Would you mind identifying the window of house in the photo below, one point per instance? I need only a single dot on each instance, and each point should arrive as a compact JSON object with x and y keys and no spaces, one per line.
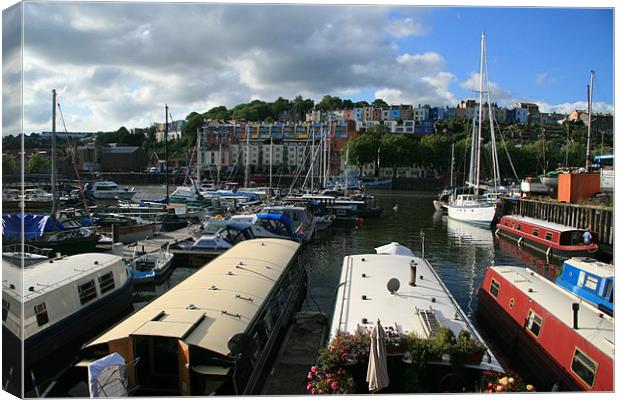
{"x":549,"y":236}
{"x":40,"y":311}
{"x":87,"y":292}
{"x":591,"y":282}
{"x":519,"y":227}
{"x":5,"y":309}
{"x":535,"y":233}
{"x":106,"y":282}
{"x":534,"y":323}
{"x":584,"y":367}
{"x":494,"y":287}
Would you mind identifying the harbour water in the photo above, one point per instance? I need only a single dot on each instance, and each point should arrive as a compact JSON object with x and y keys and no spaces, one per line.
{"x":458,"y":251}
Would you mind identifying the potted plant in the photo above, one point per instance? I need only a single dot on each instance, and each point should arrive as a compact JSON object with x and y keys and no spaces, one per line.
{"x":466,"y":349}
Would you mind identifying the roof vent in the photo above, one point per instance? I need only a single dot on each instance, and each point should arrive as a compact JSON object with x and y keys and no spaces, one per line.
{"x":363,"y":275}
{"x":229,"y":273}
{"x":31,"y":288}
{"x":12,"y":286}
{"x":96,"y":262}
{"x":190,"y":307}
{"x":213,"y":287}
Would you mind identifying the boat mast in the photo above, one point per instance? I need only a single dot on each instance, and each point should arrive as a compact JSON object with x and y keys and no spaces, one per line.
{"x":270,"y":156}
{"x":54,"y":172}
{"x":477,"y":183}
{"x":472,"y":152}
{"x":166,"y":150}
{"x":247,"y":155}
{"x":346,"y":177}
{"x":219,"y":159}
{"x":312,"y":159}
{"x":590,"y":89}
{"x":451,"y":166}
{"x":199,"y":155}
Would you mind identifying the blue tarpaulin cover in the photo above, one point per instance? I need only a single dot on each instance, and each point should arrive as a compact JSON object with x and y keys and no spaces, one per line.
{"x":279,"y":217}
{"x":34,"y":226}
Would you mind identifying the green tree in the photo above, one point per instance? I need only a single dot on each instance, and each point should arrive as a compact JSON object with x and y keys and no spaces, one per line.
{"x":347,"y":104}
{"x":193,"y":122}
{"x":219,"y":113}
{"x":9,"y":166}
{"x":301,"y":107}
{"x":397,"y":150}
{"x":280,"y":107}
{"x":379,"y":103}
{"x":39,"y":164}
{"x":361,"y":104}
{"x":329,"y":103}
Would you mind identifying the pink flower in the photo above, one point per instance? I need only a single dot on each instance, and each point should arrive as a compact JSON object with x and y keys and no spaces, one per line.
{"x":334,"y":385}
{"x":313,"y":391}
{"x":313,"y":369}
{"x":308,"y":386}
{"x":309,"y":375}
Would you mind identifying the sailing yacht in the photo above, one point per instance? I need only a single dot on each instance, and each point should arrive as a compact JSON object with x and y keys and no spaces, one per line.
{"x":476,"y":207}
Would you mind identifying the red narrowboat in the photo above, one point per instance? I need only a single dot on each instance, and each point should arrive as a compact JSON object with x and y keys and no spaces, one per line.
{"x":562,"y":340}
{"x":554,"y":240}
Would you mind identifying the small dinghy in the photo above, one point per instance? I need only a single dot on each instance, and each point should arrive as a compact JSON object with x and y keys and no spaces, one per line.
{"x":151,"y":267}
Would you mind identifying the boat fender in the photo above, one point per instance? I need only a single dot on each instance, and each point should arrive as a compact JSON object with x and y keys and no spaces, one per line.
{"x":519,"y":241}
{"x":548,"y":253}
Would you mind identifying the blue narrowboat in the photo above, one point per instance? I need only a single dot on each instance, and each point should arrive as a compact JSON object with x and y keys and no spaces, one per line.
{"x":591,"y":280}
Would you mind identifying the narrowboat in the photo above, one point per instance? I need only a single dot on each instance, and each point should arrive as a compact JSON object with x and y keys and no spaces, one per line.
{"x":408,"y":297}
{"x":590,"y":280}
{"x":215,"y":332}
{"x":562,"y":341}
{"x":553,"y":240}
{"x":59,"y":299}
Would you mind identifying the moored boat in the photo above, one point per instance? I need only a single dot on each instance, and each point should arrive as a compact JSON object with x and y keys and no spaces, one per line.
{"x":109,"y":190}
{"x":151,"y":267}
{"x":62,"y":299}
{"x":472,"y":208}
{"x":553,"y":240}
{"x":534,"y":185}
{"x":24,"y":255}
{"x":565,"y":343}
{"x":215,"y":332}
{"x":591,"y":280}
{"x":415,"y":301}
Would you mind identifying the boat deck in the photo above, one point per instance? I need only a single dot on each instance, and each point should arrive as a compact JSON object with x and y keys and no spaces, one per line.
{"x":162,"y":240}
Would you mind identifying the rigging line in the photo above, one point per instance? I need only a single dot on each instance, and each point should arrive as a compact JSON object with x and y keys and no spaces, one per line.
{"x":514,"y":171}
{"x":77,"y":173}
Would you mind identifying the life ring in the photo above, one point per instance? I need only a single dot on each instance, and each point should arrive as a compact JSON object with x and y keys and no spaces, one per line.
{"x":519,"y":241}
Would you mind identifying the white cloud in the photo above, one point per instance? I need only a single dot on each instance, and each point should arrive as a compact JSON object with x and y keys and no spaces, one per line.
{"x":407,"y":27}
{"x":567,"y":108}
{"x":498,"y":94}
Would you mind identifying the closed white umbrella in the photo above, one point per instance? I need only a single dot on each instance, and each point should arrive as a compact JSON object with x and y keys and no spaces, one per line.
{"x":377,"y":374}
{"x":395,"y":249}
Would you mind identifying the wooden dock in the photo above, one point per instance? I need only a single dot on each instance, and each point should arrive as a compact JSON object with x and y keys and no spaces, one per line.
{"x":598,"y":219}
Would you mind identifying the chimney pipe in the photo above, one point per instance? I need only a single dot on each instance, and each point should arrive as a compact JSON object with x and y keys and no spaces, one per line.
{"x":575,"y":313}
{"x":413,"y":267}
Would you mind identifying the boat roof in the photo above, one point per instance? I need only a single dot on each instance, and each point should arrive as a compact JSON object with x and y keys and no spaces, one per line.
{"x":368,"y":275}
{"x":217,"y":301}
{"x":47,"y":276}
{"x":543,"y":224}
{"x":594,"y":326}
{"x":592,"y":266}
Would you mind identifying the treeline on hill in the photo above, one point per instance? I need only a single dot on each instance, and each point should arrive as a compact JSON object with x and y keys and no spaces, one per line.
{"x":385,"y":149}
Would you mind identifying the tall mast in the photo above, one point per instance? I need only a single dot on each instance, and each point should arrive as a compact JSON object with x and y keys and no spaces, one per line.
{"x":54,"y":172}
{"x":346,"y":174}
{"x":472,"y":152}
{"x":496,"y":174}
{"x":199,"y":155}
{"x":590,"y":89}
{"x":270,"y":156}
{"x":219,"y":158}
{"x":477,"y":183}
{"x":166,"y":150}
{"x":311,"y":160}
{"x":247,"y":155}
{"x":451,"y":167}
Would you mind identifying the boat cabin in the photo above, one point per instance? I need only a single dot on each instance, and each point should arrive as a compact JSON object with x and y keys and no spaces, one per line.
{"x":214,"y":332}
{"x":591,"y":280}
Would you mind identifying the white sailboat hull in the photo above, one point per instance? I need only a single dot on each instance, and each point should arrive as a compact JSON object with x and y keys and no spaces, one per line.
{"x":475,"y":214}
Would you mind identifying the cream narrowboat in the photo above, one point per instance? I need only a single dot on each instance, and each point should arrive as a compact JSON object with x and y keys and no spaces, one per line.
{"x":215,"y":332}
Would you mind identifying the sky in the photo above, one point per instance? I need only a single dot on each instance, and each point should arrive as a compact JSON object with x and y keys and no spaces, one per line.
{"x":117,"y":64}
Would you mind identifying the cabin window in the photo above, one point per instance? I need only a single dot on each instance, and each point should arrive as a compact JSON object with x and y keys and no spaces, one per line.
{"x":534,"y":323}
{"x":87,"y":292}
{"x":512,"y":226}
{"x":519,"y":227}
{"x":5,"y":309}
{"x":535,"y":233}
{"x":591,"y":282}
{"x":549,"y":236}
{"x":607,"y":292}
{"x":40,"y":311}
{"x":494,"y":287}
{"x":106,"y":282}
{"x":584,"y":367}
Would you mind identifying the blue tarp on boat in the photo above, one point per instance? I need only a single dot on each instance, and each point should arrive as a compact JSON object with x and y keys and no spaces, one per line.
{"x":34,"y":226}
{"x":282,"y":218}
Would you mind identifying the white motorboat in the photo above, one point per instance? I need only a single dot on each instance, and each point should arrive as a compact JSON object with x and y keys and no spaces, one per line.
{"x":472,"y":208}
{"x":151,"y":267}
{"x":109,"y":190}
{"x":302,"y":219}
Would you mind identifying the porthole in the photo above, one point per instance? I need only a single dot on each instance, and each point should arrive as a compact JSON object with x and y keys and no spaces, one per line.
{"x":511,"y":302}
